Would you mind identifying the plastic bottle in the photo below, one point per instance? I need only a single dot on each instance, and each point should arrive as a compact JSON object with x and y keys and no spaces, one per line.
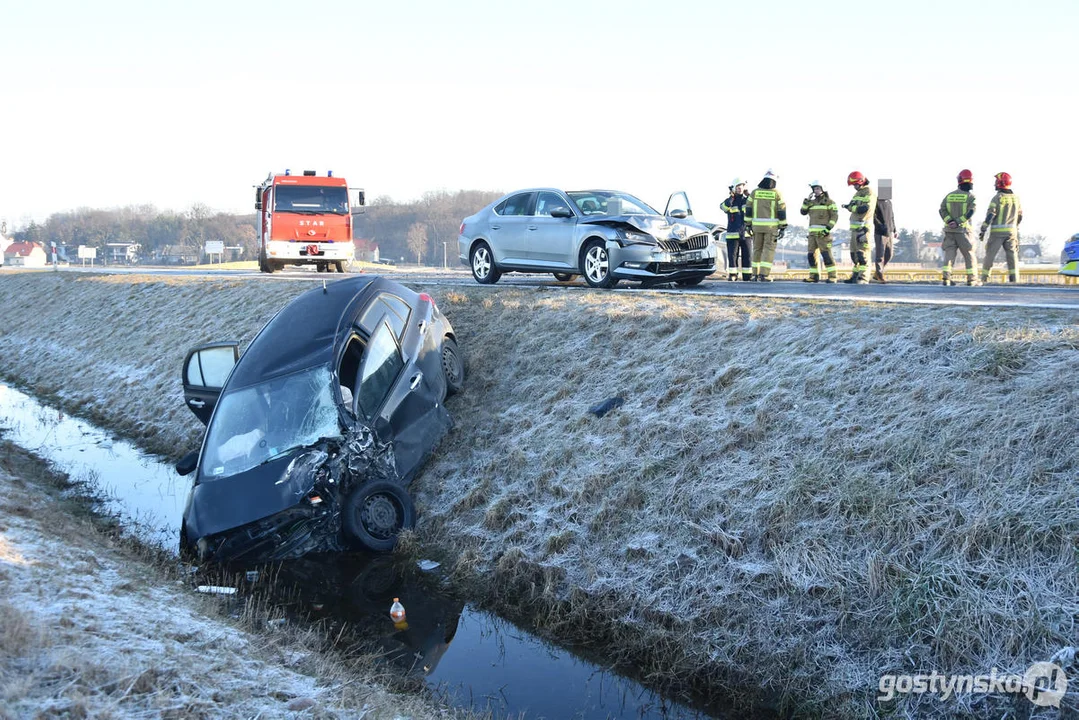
{"x":397,"y":611}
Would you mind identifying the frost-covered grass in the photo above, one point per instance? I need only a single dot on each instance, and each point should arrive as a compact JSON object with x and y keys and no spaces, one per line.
{"x":794,"y":499}
{"x":92,"y":626}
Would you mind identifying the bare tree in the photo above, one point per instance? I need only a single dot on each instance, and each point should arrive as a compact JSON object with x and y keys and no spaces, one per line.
{"x":417,"y":240}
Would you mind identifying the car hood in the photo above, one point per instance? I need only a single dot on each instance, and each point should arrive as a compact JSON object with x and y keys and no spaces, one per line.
{"x":264,"y":490}
{"x":658,"y":227}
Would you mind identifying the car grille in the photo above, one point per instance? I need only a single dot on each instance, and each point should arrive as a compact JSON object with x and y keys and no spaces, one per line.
{"x":694,"y":242}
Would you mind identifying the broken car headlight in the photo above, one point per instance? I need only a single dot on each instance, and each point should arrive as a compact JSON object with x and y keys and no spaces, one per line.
{"x":636,"y":238}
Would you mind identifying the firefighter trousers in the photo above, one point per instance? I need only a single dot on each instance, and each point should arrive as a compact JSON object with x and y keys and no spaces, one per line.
{"x":820,"y":243}
{"x":1010,"y":242}
{"x":859,"y":250}
{"x":738,"y":252}
{"x":764,"y":249}
{"x":959,"y":241}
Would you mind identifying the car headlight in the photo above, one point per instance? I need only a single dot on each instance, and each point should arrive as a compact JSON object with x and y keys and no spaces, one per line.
{"x":636,"y":238}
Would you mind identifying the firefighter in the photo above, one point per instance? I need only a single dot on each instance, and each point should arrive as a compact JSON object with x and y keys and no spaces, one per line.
{"x":737,"y":240}
{"x":862,"y":208}
{"x":766,"y":220}
{"x":1002,"y":220}
{"x":956,"y":210}
{"x":823,"y":215}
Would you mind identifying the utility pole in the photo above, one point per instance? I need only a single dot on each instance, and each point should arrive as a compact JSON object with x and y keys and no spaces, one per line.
{"x":444,"y":265}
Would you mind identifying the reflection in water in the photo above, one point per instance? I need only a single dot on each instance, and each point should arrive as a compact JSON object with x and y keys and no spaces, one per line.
{"x":469,"y":657}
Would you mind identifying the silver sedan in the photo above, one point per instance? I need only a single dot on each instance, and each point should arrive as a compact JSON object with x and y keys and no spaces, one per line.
{"x":602,"y":235}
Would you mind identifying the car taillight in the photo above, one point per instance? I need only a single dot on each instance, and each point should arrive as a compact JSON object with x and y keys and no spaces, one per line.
{"x":427,"y":298}
{"x":462,"y":230}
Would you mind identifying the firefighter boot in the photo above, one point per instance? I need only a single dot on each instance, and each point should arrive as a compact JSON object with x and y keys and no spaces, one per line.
{"x":747,"y":277}
{"x":879,"y":276}
{"x":947,"y":281}
{"x":731,"y":277}
{"x":973,"y":281}
{"x":853,"y":279}
{"x":1013,"y":277}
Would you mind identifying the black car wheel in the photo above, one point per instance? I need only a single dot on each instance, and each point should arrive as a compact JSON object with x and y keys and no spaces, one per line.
{"x":483,"y":265}
{"x":452,"y":366}
{"x":376,"y":512}
{"x":563,"y":277}
{"x":596,"y":265}
{"x":690,"y":282}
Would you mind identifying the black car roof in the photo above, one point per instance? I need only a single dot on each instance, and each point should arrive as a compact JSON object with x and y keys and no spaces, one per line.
{"x":304,"y":333}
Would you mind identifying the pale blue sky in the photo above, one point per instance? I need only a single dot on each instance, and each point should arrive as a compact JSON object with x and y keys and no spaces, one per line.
{"x":114,"y":103}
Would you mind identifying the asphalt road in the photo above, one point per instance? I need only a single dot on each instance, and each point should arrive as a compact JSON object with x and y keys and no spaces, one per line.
{"x":1057,"y":297}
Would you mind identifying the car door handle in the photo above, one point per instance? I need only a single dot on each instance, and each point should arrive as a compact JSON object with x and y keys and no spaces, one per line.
{"x":415,"y":381}
{"x":196,"y":403}
{"x":533,"y":227}
{"x":496,"y":227}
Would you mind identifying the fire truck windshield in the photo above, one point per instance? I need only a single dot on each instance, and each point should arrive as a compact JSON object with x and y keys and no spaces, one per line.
{"x":311,"y":199}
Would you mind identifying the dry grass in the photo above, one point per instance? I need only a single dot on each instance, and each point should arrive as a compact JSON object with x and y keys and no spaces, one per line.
{"x":794,"y":499}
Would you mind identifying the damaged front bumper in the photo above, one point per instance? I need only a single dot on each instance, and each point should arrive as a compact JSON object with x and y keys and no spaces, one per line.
{"x":652,"y":264}
{"x":289,"y":507}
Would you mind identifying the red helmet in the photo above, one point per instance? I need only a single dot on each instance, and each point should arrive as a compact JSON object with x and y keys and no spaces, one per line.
{"x":856,"y":178}
{"x":1004,"y":181}
{"x":965,"y":176}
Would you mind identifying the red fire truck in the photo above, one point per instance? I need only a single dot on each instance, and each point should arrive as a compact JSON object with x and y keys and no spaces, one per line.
{"x":306,"y":220}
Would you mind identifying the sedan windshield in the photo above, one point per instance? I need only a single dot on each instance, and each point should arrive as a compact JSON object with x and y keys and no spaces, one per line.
{"x":601,"y":202}
{"x":310,"y":199}
{"x":260,"y":422}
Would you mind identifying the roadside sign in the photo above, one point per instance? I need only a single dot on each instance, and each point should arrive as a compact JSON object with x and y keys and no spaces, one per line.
{"x":214,"y":247}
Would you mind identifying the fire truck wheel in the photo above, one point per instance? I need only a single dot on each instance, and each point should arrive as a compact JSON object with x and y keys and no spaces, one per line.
{"x":340,"y":266}
{"x":320,"y":267}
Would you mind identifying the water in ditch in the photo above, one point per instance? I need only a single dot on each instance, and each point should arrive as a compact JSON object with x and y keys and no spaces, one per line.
{"x":468,"y":657}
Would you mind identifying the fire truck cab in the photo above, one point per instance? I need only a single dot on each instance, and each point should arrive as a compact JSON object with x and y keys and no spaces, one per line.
{"x":306,"y":220}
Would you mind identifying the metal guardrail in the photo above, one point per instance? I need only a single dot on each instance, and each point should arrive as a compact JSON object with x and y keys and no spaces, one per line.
{"x":1031,"y":277}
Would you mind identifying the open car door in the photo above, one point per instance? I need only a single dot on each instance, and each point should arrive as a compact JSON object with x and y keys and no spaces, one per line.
{"x":206,"y":368}
{"x":678,"y":206}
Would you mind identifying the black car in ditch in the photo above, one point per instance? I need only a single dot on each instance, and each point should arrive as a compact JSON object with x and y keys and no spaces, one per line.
{"x":314,"y":433}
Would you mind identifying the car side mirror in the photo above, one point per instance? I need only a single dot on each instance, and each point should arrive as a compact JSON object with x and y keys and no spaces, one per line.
{"x":361,"y":201}
{"x":560,"y":211}
{"x":188,"y":463}
{"x":679,"y":214}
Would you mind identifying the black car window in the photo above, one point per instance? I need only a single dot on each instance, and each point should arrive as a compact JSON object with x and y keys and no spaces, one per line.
{"x":390,"y":308}
{"x":546,"y":201}
{"x":514,"y":205}
{"x":381,"y":365}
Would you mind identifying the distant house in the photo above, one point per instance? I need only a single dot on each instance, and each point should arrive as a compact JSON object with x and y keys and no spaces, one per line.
{"x":366,"y":250}
{"x":25,"y":254}
{"x":178,"y":255}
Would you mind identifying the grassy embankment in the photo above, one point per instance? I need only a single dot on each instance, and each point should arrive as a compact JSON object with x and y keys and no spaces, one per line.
{"x":795,"y":498}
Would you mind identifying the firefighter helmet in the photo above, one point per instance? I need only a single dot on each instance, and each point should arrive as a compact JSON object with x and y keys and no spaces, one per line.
{"x":736,"y":182}
{"x":856,"y":178}
{"x":1004,"y":181}
{"x":770,"y":175}
{"x":965,"y":176}
{"x":815,"y":184}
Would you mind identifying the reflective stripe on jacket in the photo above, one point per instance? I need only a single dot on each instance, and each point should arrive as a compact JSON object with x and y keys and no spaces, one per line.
{"x":1005,"y":213}
{"x":862,"y":207}
{"x":766,"y":207}
{"x":735,"y":207}
{"x":958,"y":205}
{"x":823,"y":213}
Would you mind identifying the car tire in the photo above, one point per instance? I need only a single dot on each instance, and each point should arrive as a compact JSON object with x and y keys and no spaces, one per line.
{"x":564,"y":277}
{"x":690,"y":282}
{"x":453,"y":367}
{"x":483,"y":265}
{"x":596,"y":265}
{"x":374,"y":513}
